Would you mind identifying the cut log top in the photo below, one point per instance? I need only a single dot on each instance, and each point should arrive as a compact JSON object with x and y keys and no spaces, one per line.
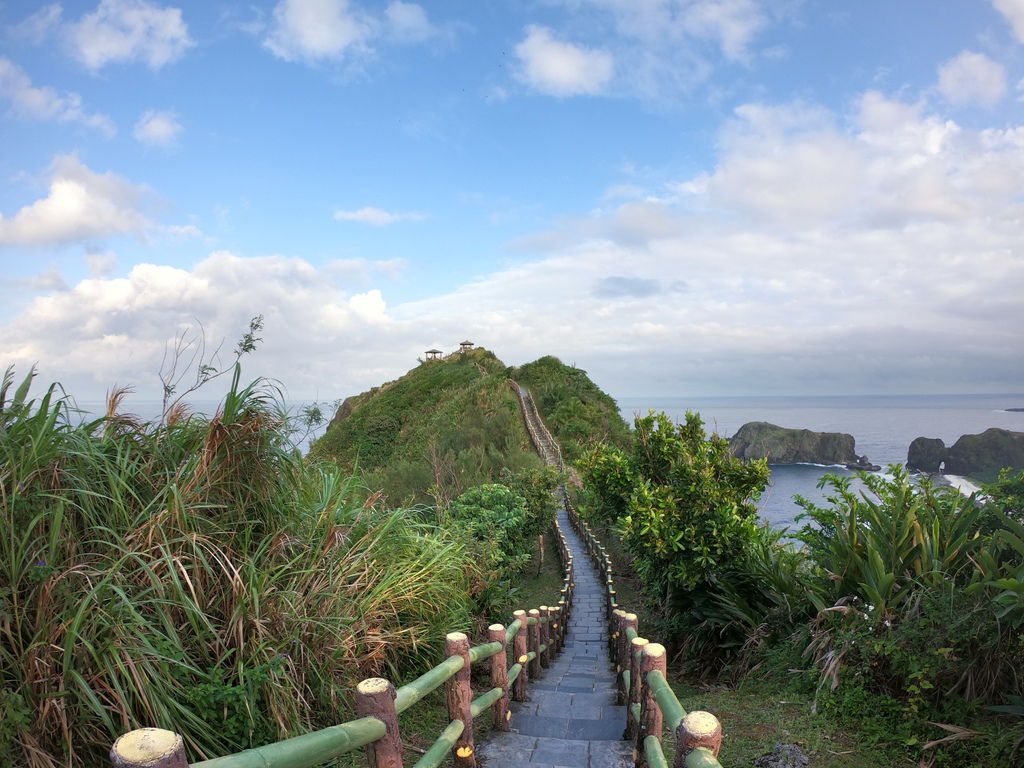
{"x":700,"y":723}
{"x":148,"y":747}
{"x":373,"y":685}
{"x":654,"y":649}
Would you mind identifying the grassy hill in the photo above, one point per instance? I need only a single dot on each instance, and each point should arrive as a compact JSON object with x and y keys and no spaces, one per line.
{"x":450,"y":424}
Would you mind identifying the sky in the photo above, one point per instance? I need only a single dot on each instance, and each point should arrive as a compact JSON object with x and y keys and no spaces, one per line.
{"x":682,"y":197}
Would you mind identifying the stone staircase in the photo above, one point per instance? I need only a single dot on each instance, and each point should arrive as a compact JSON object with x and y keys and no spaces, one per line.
{"x":571,"y":719}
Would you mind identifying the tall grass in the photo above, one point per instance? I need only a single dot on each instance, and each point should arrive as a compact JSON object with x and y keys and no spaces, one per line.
{"x":196,"y":575}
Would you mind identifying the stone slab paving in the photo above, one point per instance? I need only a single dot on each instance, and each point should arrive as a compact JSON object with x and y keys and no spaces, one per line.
{"x":571,"y":719}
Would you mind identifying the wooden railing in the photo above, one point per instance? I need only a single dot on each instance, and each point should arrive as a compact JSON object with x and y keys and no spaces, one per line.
{"x":543,"y":441}
{"x":640,"y":665}
{"x":534,"y":636}
{"x":641,"y":684}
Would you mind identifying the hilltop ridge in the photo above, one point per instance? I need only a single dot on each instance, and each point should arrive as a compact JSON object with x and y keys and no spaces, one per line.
{"x":454,"y":422}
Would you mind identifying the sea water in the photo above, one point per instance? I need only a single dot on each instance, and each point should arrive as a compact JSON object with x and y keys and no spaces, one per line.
{"x":883,"y":426}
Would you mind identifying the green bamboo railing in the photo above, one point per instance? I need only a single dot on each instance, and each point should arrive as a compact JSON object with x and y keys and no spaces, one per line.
{"x":639,"y":665}
{"x":641,"y":684}
{"x":534,"y":636}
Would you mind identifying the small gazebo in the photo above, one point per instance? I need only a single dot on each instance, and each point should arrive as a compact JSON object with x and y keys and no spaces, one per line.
{"x":433,"y":354}
{"x":465,"y":346}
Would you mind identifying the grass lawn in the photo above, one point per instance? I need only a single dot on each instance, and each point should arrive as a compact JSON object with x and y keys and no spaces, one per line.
{"x":755,"y":717}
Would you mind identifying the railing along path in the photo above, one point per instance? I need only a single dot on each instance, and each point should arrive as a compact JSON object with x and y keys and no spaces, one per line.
{"x":534,"y":637}
{"x":640,"y":665}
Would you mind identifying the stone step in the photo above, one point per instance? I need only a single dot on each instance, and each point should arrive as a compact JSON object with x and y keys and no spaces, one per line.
{"x":510,"y":750}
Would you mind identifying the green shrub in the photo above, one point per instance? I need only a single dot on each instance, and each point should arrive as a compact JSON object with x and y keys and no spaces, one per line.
{"x":199,"y":576}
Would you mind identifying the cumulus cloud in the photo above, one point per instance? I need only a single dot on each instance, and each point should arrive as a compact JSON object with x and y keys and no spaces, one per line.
{"x":408,"y":22}
{"x":101,"y":263}
{"x":1013,"y":10}
{"x":317,"y":30}
{"x":559,"y":68}
{"x":40,"y":24}
{"x":376,"y":217}
{"x":158,"y":128}
{"x":663,"y":49}
{"x":731,"y":23}
{"x":81,"y":204}
{"x":44,"y":103}
{"x":904,"y":277}
{"x":129,"y":30}
{"x":319,"y":336}
{"x":972,"y":78}
{"x":794,"y":167}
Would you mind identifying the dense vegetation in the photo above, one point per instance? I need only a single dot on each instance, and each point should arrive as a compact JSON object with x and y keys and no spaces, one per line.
{"x":576,"y":411}
{"x":449,"y":425}
{"x":198,"y":574}
{"x":900,"y":606}
{"x":442,"y":428}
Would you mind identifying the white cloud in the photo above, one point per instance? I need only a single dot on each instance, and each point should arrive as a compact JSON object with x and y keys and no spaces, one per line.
{"x":559,"y":68}
{"x":316,"y":30}
{"x":81,"y":205}
{"x":101,"y":263}
{"x":376,"y":216}
{"x":972,"y":78}
{"x":319,"y":336}
{"x":183,"y":231}
{"x":664,"y":49}
{"x":731,"y":23}
{"x":129,"y":30}
{"x":408,"y":22}
{"x":49,"y":280}
{"x":40,"y":24}
{"x":158,"y":128}
{"x":874,"y":253}
{"x":792,"y":167}
{"x":44,"y":103}
{"x":1013,"y":10}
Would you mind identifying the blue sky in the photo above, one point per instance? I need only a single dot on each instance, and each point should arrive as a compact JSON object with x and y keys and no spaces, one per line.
{"x":681,"y":196}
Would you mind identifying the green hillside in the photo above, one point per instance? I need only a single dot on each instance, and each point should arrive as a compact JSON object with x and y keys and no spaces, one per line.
{"x":578,"y":413}
{"x":450,"y":424}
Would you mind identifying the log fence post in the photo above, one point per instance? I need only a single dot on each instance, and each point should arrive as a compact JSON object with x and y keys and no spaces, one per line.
{"x":520,"y":644}
{"x":626,"y":622}
{"x":697,"y":729}
{"x":375,"y":697}
{"x":636,"y":648}
{"x":556,"y":626}
{"x":613,"y":636}
{"x":534,"y":639}
{"x":149,"y":748}
{"x":459,"y":693}
{"x":544,"y":621}
{"x":499,"y":677}
{"x":651,"y":719}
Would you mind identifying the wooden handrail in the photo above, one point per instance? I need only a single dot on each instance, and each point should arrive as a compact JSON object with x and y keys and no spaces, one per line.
{"x":156,"y":748}
{"x":641,"y":683}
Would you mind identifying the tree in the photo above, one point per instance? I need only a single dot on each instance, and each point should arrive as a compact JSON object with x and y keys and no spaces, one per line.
{"x":684,"y":505}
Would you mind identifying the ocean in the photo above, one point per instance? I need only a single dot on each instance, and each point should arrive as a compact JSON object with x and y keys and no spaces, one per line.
{"x":883,"y":427}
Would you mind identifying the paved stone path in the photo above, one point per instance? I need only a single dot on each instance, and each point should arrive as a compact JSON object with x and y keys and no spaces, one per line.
{"x":571,"y":719}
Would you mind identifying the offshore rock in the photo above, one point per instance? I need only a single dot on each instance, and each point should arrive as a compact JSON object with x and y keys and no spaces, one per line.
{"x":978,"y":456}
{"x":761,"y":440}
{"x":926,"y":454}
{"x":985,"y":454}
{"x":863,"y":464}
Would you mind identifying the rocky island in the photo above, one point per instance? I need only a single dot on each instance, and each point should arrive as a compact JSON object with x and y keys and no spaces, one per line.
{"x":978,"y":456}
{"x":781,"y":445}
